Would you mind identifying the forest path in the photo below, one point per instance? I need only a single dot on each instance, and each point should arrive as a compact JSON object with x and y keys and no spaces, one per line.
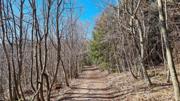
{"x":91,"y":85}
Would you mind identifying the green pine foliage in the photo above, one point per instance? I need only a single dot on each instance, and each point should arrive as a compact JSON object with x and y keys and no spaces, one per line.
{"x":99,"y":48}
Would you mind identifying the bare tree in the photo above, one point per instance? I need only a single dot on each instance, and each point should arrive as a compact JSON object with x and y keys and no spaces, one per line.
{"x":5,"y":48}
{"x":170,"y":61}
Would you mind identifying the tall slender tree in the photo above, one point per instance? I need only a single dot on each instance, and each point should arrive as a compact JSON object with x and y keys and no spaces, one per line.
{"x":170,"y":61}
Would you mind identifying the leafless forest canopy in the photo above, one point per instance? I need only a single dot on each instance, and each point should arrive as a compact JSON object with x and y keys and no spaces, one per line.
{"x":44,"y":46}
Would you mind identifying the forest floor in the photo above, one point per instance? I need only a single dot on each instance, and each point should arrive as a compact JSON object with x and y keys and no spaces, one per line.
{"x":96,"y":85}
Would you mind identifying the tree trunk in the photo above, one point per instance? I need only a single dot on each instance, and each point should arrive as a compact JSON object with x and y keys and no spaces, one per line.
{"x":6,"y":51}
{"x":141,"y":38}
{"x":170,"y":61}
{"x":65,"y":74}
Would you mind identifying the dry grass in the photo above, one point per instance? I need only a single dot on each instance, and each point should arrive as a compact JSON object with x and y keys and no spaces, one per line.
{"x":137,"y":90}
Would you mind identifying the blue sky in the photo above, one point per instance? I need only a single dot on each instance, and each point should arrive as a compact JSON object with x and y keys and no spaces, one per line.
{"x":88,"y":15}
{"x":90,"y":12}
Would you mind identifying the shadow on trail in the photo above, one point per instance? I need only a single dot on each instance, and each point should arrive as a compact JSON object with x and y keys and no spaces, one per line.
{"x":93,"y":77}
{"x":89,"y":69}
{"x":81,"y":88}
{"x":95,"y":96}
{"x":93,"y":86}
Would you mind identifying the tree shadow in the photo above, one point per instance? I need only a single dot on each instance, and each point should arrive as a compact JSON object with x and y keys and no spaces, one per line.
{"x":95,"y":96}
{"x":84,"y":88}
{"x":155,"y":87}
{"x":108,"y":93}
{"x":89,"y":69}
{"x":160,"y":86}
{"x":95,"y":77}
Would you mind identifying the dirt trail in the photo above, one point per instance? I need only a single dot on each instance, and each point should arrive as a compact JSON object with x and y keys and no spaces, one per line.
{"x":92,"y":85}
